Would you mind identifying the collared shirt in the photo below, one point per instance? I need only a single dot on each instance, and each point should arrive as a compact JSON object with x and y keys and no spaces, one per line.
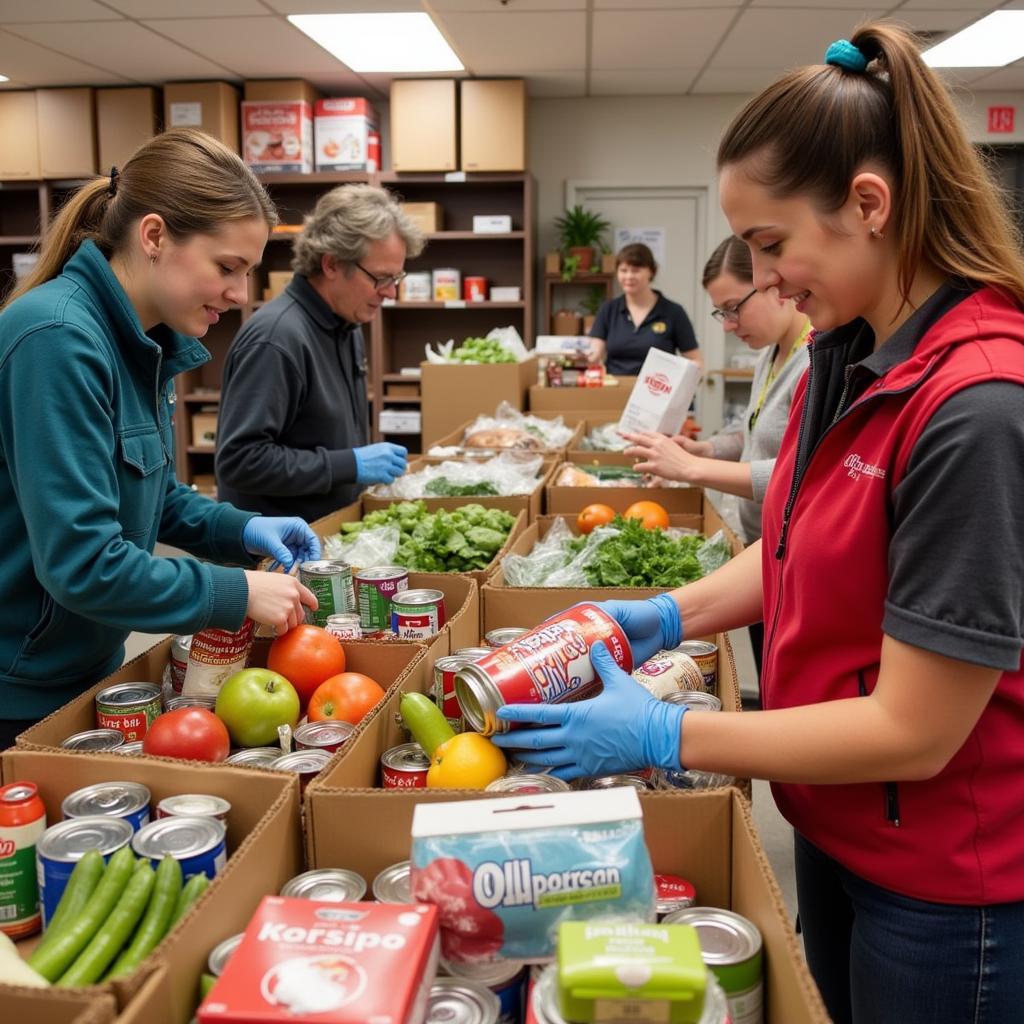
{"x":293,"y":406}
{"x":666,"y":327}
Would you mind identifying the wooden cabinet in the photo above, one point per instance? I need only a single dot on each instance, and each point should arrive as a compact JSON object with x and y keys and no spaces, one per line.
{"x":423,"y":125}
{"x":559,"y":294}
{"x":492,"y":124}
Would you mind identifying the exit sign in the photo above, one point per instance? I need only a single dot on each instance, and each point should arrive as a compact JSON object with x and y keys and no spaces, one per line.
{"x":1000,"y":119}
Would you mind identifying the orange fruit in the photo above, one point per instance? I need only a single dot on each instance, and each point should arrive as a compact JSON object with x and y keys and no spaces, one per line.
{"x":593,"y":516}
{"x":650,"y":513}
{"x":466,"y":761}
{"x":348,"y":696}
{"x":306,"y":655}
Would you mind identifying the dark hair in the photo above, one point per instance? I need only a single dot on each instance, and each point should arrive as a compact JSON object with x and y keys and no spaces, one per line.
{"x":732,"y":256}
{"x":814,"y":129}
{"x":636,"y":254}
{"x":194,"y":182}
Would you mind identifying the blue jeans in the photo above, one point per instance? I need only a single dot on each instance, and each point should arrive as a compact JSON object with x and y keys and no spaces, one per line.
{"x":882,"y":958}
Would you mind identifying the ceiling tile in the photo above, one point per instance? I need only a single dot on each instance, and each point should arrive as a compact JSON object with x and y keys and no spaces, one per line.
{"x":999,"y":79}
{"x":124,"y":47}
{"x":188,"y":8}
{"x":344,"y":83}
{"x":932,"y":19}
{"x":25,"y":62}
{"x":16,"y":11}
{"x":556,"y":85}
{"x":528,"y":42}
{"x":742,"y":81}
{"x":644,"y":82}
{"x":663,"y":5}
{"x":254,"y":48}
{"x":947,"y":5}
{"x":517,"y":6}
{"x":340,"y":6}
{"x":667,"y":39}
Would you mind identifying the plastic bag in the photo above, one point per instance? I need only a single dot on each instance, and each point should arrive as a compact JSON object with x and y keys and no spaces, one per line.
{"x":605,"y":438}
{"x":505,"y":474}
{"x":509,"y":428}
{"x":551,"y":563}
{"x":508,"y":338}
{"x":714,"y":553}
{"x":366,"y":549}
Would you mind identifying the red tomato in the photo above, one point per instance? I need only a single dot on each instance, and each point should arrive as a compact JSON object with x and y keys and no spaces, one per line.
{"x":347,"y":697}
{"x":306,"y":656}
{"x":192,"y":733}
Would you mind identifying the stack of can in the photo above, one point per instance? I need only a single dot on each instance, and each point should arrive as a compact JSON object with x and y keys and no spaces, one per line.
{"x":331,"y":582}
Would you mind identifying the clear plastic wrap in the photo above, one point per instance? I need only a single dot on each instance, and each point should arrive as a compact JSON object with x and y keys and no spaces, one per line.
{"x":507,"y":347}
{"x":377,"y":546}
{"x":605,"y":438}
{"x":505,"y":474}
{"x":509,"y":428}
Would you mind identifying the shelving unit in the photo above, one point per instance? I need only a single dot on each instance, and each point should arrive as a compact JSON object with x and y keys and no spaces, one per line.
{"x":554,"y":284}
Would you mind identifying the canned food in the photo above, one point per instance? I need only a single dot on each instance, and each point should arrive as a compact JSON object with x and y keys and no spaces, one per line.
{"x":404,"y":767}
{"x":445,"y":670}
{"x":127,"y":800}
{"x":527,"y":783}
{"x":94,"y":740}
{"x":198,"y":844}
{"x":640,"y":783}
{"x":63,"y":845}
{"x":215,"y":655}
{"x":461,"y":1001}
{"x":669,"y":671}
{"x":221,"y":954}
{"x":447,"y":282}
{"x":505,"y":978}
{"x":307,"y":764}
{"x":191,"y":700}
{"x":375,"y":590}
{"x":327,"y":735}
{"x":133,"y":749}
{"x":326,"y":885}
{"x":731,"y":947}
{"x":474,"y":289}
{"x":22,"y":823}
{"x":472,"y":653}
{"x":416,"y":286}
{"x":178,"y":661}
{"x":690,"y":778}
{"x":504,"y":635}
{"x":705,"y":653}
{"x":128,"y":707}
{"x":331,"y":581}
{"x":344,"y":625}
{"x":695,"y":700}
{"x":672,"y":893}
{"x":194,"y":805}
{"x":548,"y":665}
{"x":262,"y":757}
{"x":418,"y":614}
{"x":393,"y":884}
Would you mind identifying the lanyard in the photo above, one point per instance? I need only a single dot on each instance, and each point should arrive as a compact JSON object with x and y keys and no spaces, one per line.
{"x":773,"y":373}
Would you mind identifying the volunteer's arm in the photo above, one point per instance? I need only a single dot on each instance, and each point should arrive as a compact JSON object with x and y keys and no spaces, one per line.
{"x":664,"y":457}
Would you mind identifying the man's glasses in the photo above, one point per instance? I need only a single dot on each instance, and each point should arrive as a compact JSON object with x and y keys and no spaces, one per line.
{"x":732,"y":313}
{"x":382,"y":284}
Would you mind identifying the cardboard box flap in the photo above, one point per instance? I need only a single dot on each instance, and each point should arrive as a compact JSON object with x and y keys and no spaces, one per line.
{"x":56,"y":1005}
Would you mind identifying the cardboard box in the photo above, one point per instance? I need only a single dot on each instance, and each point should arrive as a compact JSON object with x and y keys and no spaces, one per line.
{"x":552,"y":262}
{"x":263,"y":838}
{"x":277,"y":281}
{"x":591,"y":402}
{"x":423,"y":117}
{"x":19,"y":128}
{"x":454,"y":394}
{"x":428,"y":217}
{"x":492,"y":120}
{"x":662,"y":394}
{"x":341,"y":131}
{"x":56,"y":1005}
{"x":204,"y":428}
{"x":67,"y":133}
{"x":277,"y":136}
{"x":455,"y":439}
{"x":281,"y":90}
{"x":400,"y":421}
{"x":125,"y":119}
{"x":209,"y":106}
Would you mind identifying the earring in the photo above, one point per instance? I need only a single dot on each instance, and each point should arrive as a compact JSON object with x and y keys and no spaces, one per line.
{"x":152,"y":256}
{"x":875,"y":233}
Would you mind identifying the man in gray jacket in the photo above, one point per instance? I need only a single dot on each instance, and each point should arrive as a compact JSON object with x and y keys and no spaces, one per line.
{"x":292,"y":431}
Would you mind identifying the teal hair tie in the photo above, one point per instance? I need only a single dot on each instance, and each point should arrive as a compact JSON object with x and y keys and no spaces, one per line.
{"x":843,"y":54}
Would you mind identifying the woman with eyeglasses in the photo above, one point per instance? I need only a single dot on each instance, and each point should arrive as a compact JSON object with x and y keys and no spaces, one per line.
{"x":293,"y":429}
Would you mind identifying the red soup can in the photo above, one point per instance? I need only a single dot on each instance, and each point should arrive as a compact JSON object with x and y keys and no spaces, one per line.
{"x":474,"y":289}
{"x":404,"y":767}
{"x":548,"y":665}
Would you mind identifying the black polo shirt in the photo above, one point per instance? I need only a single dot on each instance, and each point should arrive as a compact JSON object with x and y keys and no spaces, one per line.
{"x":666,"y":327}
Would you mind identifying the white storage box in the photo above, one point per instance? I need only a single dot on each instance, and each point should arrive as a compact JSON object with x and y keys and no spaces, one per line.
{"x":400,"y":421}
{"x":492,"y":224}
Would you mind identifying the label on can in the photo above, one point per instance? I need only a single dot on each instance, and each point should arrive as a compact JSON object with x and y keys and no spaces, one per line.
{"x":474,"y":289}
{"x":447,"y":283}
{"x":22,"y":822}
{"x":216,"y":654}
{"x":418,"y":614}
{"x":178,"y":661}
{"x":375,"y":589}
{"x":331,"y":582}
{"x":344,"y":626}
{"x":130,"y":708}
{"x":445,"y":670}
{"x":404,"y":767}
{"x":705,"y":654}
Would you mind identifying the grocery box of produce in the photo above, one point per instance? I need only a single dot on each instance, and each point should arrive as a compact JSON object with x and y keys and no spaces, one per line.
{"x":263,"y":840}
{"x":610,"y":399}
{"x":56,"y":1005}
{"x":581,"y":481}
{"x":507,"y":438}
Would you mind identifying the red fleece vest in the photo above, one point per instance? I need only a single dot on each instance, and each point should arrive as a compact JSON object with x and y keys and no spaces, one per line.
{"x":960,"y":837}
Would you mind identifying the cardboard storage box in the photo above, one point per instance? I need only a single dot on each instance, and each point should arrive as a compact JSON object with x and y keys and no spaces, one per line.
{"x":341,"y":131}
{"x":492,"y":124}
{"x":428,"y":217}
{"x":277,"y":281}
{"x":277,"y":136}
{"x":56,"y":1005}
{"x":607,"y":401}
{"x":19,"y":128}
{"x":67,"y":133}
{"x":204,"y":429}
{"x":125,"y":119}
{"x":209,"y":106}
{"x":707,"y":838}
{"x":455,"y":439}
{"x":264,"y":838}
{"x":281,"y":90}
{"x":423,"y":118}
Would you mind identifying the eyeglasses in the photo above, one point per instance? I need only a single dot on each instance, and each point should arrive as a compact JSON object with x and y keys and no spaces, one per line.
{"x":382,"y":284}
{"x":733,"y":312}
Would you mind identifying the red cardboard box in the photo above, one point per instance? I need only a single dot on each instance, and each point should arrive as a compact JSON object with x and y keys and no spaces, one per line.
{"x":341,"y":130}
{"x":277,"y":136}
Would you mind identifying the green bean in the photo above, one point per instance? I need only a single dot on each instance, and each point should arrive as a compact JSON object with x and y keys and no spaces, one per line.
{"x":81,"y":885}
{"x":154,"y":926}
{"x":115,"y":932}
{"x":194,"y":888}
{"x":52,"y":960}
{"x":206,"y":983}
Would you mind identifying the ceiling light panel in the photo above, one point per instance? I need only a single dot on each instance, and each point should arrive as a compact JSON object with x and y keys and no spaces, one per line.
{"x":993,"y":42}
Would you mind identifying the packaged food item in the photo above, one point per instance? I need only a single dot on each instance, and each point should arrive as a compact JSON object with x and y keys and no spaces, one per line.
{"x":22,"y":823}
{"x":331,"y":581}
{"x":194,"y":805}
{"x":705,"y":654}
{"x":418,"y":614}
{"x":214,"y":655}
{"x":474,"y":289}
{"x":506,"y":979}
{"x":344,"y":625}
{"x":250,"y":757}
{"x":128,"y":707}
{"x":94,"y":740}
{"x":392,"y":884}
{"x":669,"y":671}
{"x":307,"y":764}
{"x":221,"y":954}
{"x":445,"y":671}
{"x":198,"y":844}
{"x":327,"y":885}
{"x":504,"y":635}
{"x":661,"y":395}
{"x":673,"y":893}
{"x":504,"y":878}
{"x":177,"y":664}
{"x":416,"y":286}
{"x":462,"y":1000}
{"x":527,"y":783}
{"x":375,"y":589}
{"x":447,"y":283}
{"x":329,"y":735}
{"x":404,"y":767}
{"x":127,"y":800}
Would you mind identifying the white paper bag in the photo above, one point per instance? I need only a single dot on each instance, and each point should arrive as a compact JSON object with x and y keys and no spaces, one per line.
{"x":661,"y":395}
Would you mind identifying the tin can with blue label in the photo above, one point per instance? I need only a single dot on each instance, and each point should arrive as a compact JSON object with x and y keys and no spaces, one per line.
{"x":127,"y":800}
{"x":198,"y":844}
{"x":505,"y":978}
{"x":63,"y":845}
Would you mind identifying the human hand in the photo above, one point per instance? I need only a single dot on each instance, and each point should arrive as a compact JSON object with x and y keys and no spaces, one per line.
{"x":703,"y":449}
{"x":650,"y":626}
{"x":286,"y":539}
{"x":277,"y":600}
{"x":662,"y":456}
{"x":379,"y":463}
{"x":621,"y":729}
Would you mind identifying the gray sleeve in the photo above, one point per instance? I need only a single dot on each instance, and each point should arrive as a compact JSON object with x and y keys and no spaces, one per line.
{"x":956,"y":559}
{"x":728,"y":445}
{"x":760,"y":474}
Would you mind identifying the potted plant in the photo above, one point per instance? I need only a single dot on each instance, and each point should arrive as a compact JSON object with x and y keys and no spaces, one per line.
{"x":580,"y":230}
{"x":590,"y":304}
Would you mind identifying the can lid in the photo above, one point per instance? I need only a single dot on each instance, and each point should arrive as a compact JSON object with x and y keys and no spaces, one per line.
{"x":326,"y":885}
{"x":405,"y":757}
{"x":178,"y":836}
{"x":695,"y":700}
{"x":302,"y":761}
{"x":122,"y":695}
{"x":473,"y":653}
{"x":394,"y":884}
{"x":697,"y":647}
{"x":383,"y":572}
{"x":70,"y":840}
{"x":330,"y":731}
{"x":221,"y":953}
{"x":637,"y":782}
{"x":18,"y":792}
{"x":421,"y":596}
{"x":461,"y":1001}
{"x":116,"y":798}
{"x":254,"y":755}
{"x":326,"y":567}
{"x":725,"y":936}
{"x":194,"y":805}
{"x":495,"y":972}
{"x":131,"y":749}
{"x":94,"y":739}
{"x":527,"y":783}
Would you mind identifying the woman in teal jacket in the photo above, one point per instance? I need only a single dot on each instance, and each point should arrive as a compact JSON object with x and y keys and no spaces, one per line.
{"x":134,"y":269}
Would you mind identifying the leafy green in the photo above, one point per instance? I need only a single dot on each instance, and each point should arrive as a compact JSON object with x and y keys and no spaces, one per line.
{"x":442,"y":487}
{"x":482,"y":350}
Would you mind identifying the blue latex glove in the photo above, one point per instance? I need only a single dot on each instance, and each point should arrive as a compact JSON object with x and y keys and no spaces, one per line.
{"x":285,"y":539}
{"x":651,"y":626}
{"x":379,"y":463}
{"x":621,"y":729}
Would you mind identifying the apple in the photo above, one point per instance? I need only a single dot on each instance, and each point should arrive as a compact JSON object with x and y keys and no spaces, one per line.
{"x":253,"y":703}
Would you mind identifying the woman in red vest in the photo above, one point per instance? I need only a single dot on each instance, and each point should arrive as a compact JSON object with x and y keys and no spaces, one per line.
{"x":890,"y":574}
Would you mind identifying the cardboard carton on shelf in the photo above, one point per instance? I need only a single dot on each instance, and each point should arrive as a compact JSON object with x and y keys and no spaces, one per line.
{"x":492,"y":123}
{"x":342,"y":127}
{"x":67,"y":132}
{"x":428,"y":217}
{"x":611,"y":398}
{"x":277,"y":136}
{"x":19,"y":128}
{"x":125,"y":119}
{"x":210,"y":106}
{"x":204,"y":427}
{"x":281,"y":90}
{"x":277,"y":281}
{"x":423,"y":124}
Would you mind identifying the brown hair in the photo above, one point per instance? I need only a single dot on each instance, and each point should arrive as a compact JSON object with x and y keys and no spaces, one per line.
{"x":636,"y":254}
{"x":732,"y":256}
{"x":814,"y":129}
{"x":194,"y":182}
